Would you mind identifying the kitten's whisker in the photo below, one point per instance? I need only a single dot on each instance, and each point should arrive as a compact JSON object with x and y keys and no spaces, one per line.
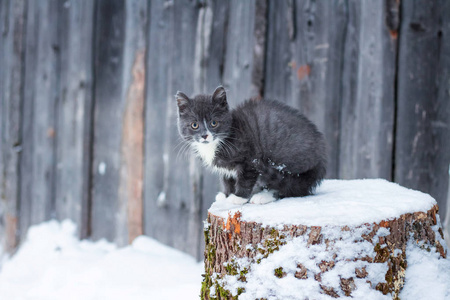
{"x":224,"y":147}
{"x":227,"y":147}
{"x":225,"y":136}
{"x":183,"y":151}
{"x":181,"y":148}
{"x":180,"y":143}
{"x":230,"y":145}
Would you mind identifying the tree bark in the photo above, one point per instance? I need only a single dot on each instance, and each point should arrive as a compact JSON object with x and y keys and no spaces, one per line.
{"x":230,"y":239}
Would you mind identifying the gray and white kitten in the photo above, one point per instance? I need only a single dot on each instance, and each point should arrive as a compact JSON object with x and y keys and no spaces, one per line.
{"x":263,"y":150}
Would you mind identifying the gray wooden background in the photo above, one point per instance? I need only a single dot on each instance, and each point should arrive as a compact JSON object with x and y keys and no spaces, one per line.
{"x":88,"y":117}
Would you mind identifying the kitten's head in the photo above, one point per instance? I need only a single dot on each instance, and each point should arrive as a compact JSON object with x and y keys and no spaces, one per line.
{"x":204,"y":118}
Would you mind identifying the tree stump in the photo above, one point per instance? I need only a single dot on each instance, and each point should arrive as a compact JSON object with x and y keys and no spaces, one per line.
{"x":350,"y":239}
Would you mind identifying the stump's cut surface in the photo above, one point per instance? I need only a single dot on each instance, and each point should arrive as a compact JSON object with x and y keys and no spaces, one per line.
{"x":348,"y":240}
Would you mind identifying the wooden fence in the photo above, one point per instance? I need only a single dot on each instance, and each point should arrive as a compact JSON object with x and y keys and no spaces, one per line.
{"x":88,"y":117}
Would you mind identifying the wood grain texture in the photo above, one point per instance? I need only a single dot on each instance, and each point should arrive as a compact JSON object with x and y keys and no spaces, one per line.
{"x":155,"y":184}
{"x":42,"y":59}
{"x":208,"y":73}
{"x":228,"y":240}
{"x":210,"y":63}
{"x":13,"y":16}
{"x":423,"y":115}
{"x":108,"y":111}
{"x":169,"y":188}
{"x":131,"y":211}
{"x":205,"y":59}
{"x":26,"y":161}
{"x":305,"y":55}
{"x":368,"y":95}
{"x":3,"y":14}
{"x":88,"y":119}
{"x":244,"y":54}
{"x":74,"y":115}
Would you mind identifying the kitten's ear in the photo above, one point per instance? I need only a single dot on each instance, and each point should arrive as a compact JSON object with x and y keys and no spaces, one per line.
{"x":182,"y":101}
{"x":220,"y":97}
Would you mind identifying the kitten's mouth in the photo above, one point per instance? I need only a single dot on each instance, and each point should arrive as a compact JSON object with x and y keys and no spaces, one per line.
{"x":206,"y":140}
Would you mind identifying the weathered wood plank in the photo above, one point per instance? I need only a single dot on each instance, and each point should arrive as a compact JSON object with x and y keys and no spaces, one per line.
{"x":305,"y":49}
{"x":210,"y":63}
{"x":11,"y":95}
{"x":368,"y":100}
{"x":202,"y":60}
{"x":205,"y":59}
{"x":280,"y":32}
{"x":441,"y":125}
{"x":213,"y":32}
{"x":317,"y":68}
{"x":109,"y":105}
{"x":74,"y":115}
{"x":39,"y":109}
{"x":334,"y":60}
{"x":156,"y":185}
{"x":3,"y":29}
{"x":245,"y":49}
{"x":169,"y":188}
{"x":130,"y":214}
{"x":423,"y":112}
{"x":208,"y":67}
{"x":26,"y":160}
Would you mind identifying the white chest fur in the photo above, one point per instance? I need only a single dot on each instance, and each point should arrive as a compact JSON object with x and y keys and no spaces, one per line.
{"x":207,"y":153}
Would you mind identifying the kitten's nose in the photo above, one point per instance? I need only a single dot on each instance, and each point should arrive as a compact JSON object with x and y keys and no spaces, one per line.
{"x":205,"y":136}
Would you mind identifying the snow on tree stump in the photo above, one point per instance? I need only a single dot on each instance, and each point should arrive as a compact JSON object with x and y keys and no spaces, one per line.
{"x":348,"y":240}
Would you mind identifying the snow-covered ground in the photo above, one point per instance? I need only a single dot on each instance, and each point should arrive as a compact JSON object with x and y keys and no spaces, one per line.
{"x":53,"y":264}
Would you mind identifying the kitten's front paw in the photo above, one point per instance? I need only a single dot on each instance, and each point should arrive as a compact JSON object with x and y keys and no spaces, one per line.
{"x":263,"y":197}
{"x":236,"y":199}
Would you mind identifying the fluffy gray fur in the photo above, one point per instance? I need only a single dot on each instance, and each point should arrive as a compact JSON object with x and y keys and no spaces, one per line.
{"x":259,"y":145}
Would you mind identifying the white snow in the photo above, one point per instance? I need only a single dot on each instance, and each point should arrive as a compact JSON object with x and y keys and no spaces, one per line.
{"x":161,"y":200}
{"x":358,"y":203}
{"x":53,"y":264}
{"x":335,"y":202}
{"x":427,"y":275}
{"x":262,"y":283}
{"x":102,"y":168}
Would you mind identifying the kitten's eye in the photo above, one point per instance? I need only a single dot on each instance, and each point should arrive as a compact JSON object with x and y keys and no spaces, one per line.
{"x":214,"y":123}
{"x":194,"y":125}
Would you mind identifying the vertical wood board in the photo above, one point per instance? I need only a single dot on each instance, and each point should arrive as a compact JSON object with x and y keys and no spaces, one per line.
{"x":39,"y":113}
{"x":2,"y":167}
{"x":304,"y":63}
{"x":155,"y":184}
{"x":11,"y":95}
{"x":171,"y":208}
{"x":74,"y":116}
{"x":368,"y":102}
{"x":422,"y":153}
{"x":132,"y":144}
{"x":211,"y":65}
{"x":108,"y":110}
{"x":241,"y":57}
{"x":318,"y":33}
{"x":26,"y":161}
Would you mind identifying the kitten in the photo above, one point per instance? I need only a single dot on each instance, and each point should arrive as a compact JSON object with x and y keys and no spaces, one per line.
{"x":263,"y":150}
